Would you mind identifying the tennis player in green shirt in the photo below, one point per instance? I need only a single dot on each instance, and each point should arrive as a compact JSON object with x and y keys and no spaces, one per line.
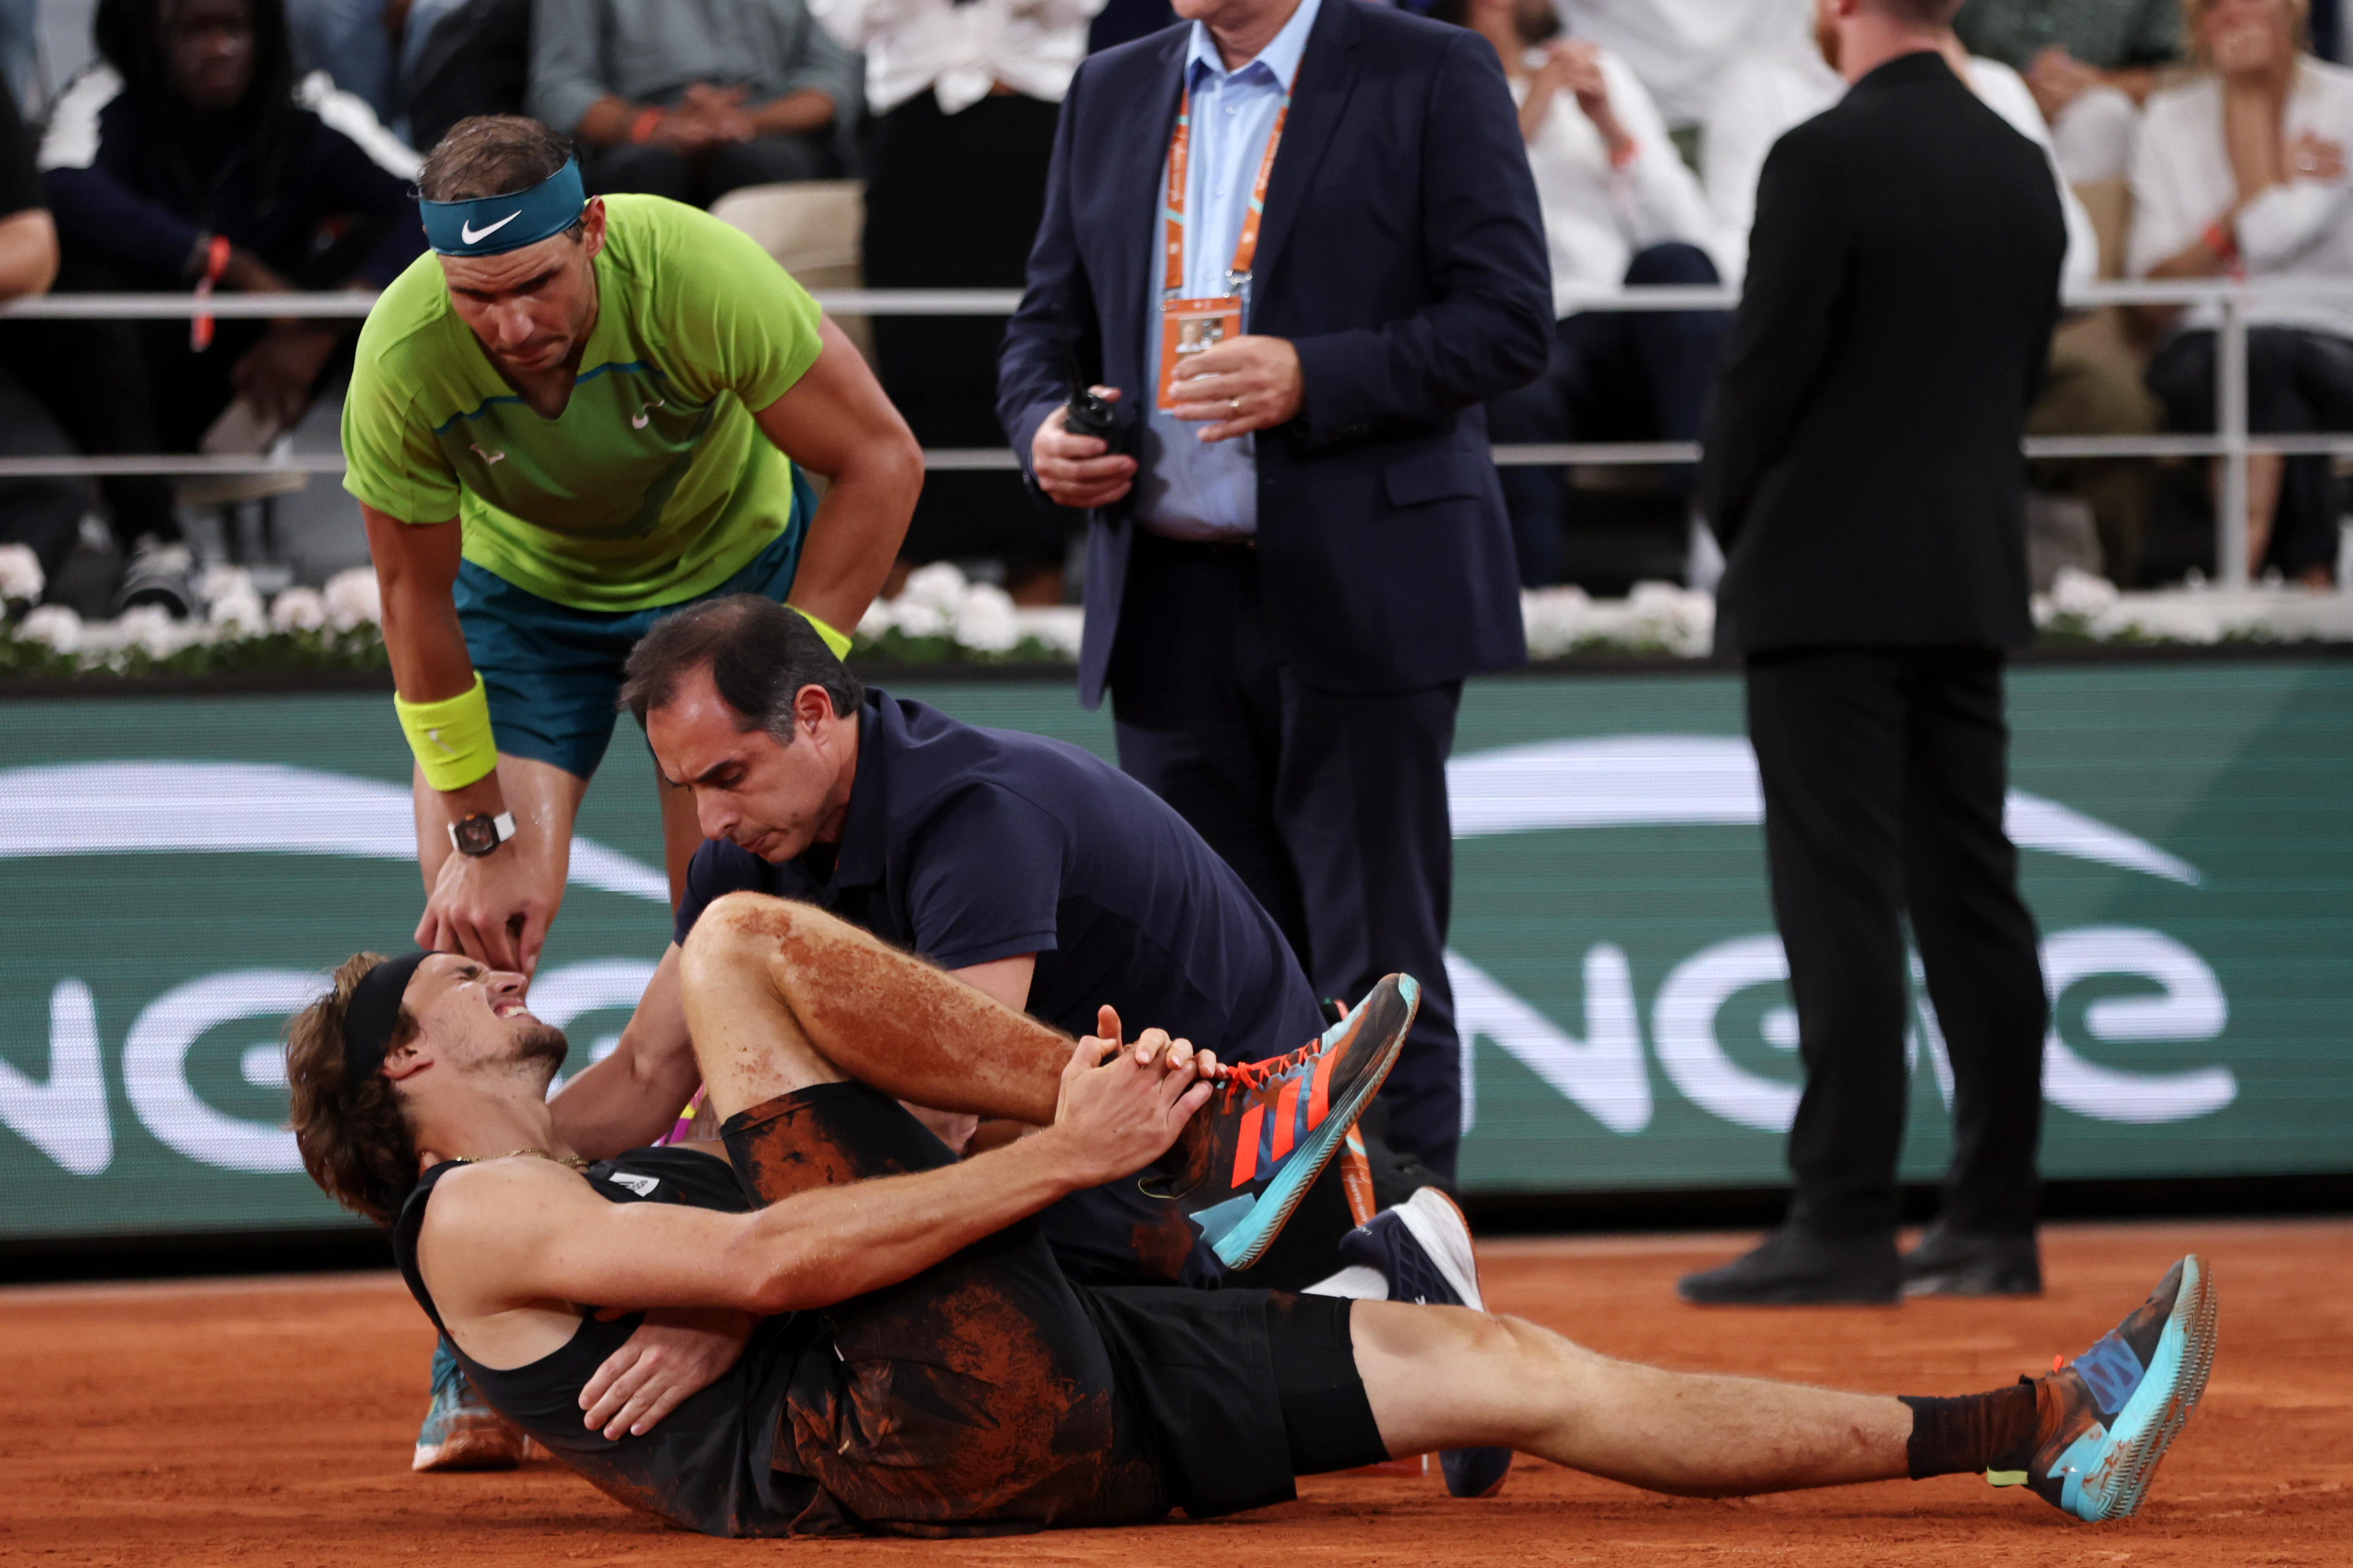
{"x":574,"y":417}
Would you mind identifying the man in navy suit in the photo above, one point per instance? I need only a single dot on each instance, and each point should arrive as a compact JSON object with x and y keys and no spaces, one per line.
{"x":1297,"y":544}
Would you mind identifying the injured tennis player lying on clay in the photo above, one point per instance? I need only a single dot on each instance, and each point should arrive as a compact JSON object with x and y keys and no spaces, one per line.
{"x":912,"y":1360}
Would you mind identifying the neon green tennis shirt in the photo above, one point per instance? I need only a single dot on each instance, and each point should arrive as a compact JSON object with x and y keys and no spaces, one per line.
{"x":654,"y":484}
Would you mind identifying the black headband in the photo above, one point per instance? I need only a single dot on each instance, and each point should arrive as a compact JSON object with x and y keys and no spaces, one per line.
{"x":375,"y":1014}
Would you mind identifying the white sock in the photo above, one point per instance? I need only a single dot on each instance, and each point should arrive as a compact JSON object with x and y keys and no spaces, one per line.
{"x":1355,"y":1281}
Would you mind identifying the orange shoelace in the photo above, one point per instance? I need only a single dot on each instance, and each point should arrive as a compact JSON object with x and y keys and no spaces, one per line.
{"x":1245,"y":1077}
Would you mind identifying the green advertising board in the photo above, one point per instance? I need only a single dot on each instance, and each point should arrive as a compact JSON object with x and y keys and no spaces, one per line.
{"x":176,"y":873}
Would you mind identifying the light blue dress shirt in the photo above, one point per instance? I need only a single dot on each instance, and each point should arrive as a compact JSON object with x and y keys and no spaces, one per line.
{"x":1187,"y":488}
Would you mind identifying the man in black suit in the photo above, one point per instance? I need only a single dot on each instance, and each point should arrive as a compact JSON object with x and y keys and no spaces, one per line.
{"x":1862,"y":469}
{"x":1297,"y":544}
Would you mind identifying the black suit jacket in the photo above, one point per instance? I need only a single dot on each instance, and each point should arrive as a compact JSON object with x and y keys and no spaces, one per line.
{"x":1862,"y":463}
{"x":1403,"y":254}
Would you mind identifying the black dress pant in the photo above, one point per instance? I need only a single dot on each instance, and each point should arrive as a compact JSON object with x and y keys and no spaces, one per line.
{"x":1331,"y":805}
{"x":1884,"y":771}
{"x":43,"y":514}
{"x":2297,"y":382}
{"x":656,"y":171}
{"x":1614,"y":376}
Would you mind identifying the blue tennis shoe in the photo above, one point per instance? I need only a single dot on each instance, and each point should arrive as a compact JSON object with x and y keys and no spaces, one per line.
{"x":2120,"y":1404}
{"x":461,"y":1432}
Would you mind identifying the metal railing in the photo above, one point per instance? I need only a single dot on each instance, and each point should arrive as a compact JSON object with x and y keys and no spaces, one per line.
{"x":2230,"y":441}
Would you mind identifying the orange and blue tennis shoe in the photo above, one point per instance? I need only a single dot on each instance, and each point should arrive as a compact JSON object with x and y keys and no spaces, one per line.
{"x":1271,"y":1127}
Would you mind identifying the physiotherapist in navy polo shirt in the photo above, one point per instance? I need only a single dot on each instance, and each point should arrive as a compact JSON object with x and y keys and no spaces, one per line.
{"x":1298,"y":291}
{"x":1029,"y":868}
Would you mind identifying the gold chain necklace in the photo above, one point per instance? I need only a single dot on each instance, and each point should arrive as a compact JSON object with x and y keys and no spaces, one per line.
{"x":575,"y":1161}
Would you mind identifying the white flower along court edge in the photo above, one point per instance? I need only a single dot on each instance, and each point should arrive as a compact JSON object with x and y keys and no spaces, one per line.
{"x":940,"y":605}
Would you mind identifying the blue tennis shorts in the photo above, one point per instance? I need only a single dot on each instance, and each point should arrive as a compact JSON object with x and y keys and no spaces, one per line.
{"x":552,"y":673}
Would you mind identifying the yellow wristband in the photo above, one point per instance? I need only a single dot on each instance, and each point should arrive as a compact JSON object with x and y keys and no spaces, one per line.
{"x":835,"y":640}
{"x":451,"y":738}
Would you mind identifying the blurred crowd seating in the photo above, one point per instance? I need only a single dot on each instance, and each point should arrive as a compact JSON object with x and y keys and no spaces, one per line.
{"x":903,"y":145}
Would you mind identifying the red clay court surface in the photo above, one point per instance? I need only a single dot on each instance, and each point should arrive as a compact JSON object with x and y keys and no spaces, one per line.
{"x":268,"y":1422}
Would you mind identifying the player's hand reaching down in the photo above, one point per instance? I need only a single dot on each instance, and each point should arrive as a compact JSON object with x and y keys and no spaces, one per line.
{"x":675,"y":1354}
{"x":495,"y":908}
{"x":1122,"y":1105}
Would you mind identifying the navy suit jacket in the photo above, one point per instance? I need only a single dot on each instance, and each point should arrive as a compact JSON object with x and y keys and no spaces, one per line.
{"x":1403,"y":255}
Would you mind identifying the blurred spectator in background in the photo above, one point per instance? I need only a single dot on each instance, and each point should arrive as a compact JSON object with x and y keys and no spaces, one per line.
{"x":965,"y":96}
{"x":417,"y":21}
{"x":352,"y":41}
{"x":41,"y":513}
{"x":2242,"y":173}
{"x":191,"y":157}
{"x":2089,"y":63}
{"x":1785,"y":82}
{"x":2091,"y":386}
{"x":1793,"y":79}
{"x":463,"y":57}
{"x":1679,"y":47}
{"x":20,"y":56}
{"x":692,"y":98}
{"x":1620,"y":206}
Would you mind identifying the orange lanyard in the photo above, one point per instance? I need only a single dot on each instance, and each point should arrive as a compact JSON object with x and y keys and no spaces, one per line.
{"x":1180,"y":149}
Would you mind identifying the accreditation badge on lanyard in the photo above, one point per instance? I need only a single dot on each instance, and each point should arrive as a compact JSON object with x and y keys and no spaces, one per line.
{"x":1188,"y":327}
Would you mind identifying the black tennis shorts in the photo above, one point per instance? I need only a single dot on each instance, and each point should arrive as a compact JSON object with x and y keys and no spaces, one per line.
{"x":988,"y":1395}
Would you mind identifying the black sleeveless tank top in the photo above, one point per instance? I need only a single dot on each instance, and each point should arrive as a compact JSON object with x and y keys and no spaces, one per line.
{"x":707,"y":1467}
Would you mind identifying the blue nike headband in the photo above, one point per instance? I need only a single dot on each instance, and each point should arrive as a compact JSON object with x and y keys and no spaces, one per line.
{"x":492,"y":225}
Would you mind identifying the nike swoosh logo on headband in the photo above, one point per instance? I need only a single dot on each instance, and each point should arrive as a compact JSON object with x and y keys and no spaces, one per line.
{"x":472,"y":236}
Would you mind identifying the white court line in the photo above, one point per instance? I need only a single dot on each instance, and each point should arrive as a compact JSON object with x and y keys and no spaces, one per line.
{"x":1668,"y":1244}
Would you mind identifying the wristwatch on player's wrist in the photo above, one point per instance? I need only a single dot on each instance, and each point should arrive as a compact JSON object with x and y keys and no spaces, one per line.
{"x":478,"y":835}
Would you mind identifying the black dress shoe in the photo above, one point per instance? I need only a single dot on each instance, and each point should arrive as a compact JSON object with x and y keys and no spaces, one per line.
{"x":1800,"y":1268}
{"x":1954,"y":1263}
